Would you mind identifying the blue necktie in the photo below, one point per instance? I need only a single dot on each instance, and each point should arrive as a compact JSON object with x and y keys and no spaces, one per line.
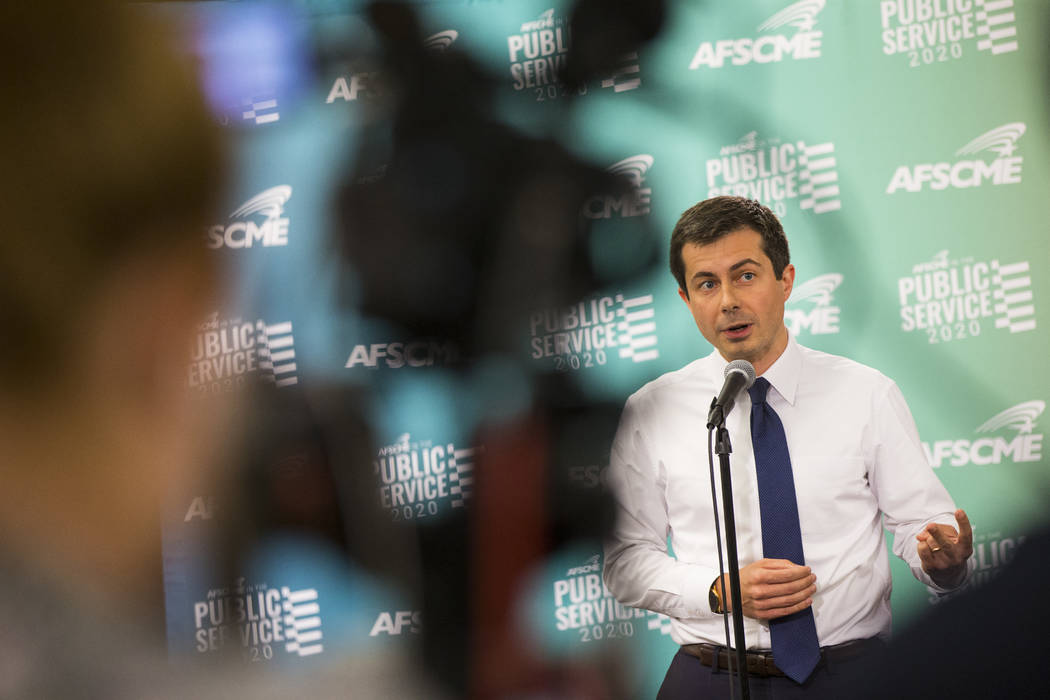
{"x":796,"y":650}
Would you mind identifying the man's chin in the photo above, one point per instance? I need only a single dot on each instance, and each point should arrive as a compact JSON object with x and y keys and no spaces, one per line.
{"x":736,"y":351}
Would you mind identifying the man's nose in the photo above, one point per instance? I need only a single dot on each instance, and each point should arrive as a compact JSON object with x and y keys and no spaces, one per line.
{"x":729,"y":300}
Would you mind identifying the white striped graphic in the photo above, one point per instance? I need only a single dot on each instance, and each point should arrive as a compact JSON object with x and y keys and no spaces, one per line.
{"x":441,"y":40}
{"x":817,"y":290}
{"x":461,"y":474}
{"x":1013,"y":297}
{"x":637,"y":328}
{"x":1001,"y":140}
{"x":302,"y":622}
{"x":802,"y":15}
{"x":633,"y":168}
{"x":818,"y":178}
{"x":277,"y":352}
{"x":270,"y":203}
{"x":626,"y":75}
{"x":656,"y":621}
{"x":996,"y":26}
{"x":261,"y":111}
{"x":1021,"y":418}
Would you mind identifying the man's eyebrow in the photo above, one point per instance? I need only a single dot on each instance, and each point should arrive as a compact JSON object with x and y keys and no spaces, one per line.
{"x":745,"y":261}
{"x":734,"y":266}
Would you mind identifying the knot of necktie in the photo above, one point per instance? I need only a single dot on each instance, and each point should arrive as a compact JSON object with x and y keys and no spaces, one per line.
{"x":758,"y":391}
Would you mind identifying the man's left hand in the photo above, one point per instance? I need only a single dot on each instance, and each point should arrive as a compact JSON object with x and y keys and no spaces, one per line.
{"x":943,"y":551}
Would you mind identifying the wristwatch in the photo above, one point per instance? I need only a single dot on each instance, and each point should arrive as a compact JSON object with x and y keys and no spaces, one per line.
{"x":715,"y":600}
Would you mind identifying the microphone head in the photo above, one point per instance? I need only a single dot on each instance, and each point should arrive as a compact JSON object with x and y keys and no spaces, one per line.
{"x":741,"y":366}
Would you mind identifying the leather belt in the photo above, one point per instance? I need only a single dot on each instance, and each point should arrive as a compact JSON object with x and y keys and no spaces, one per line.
{"x":760,"y":663}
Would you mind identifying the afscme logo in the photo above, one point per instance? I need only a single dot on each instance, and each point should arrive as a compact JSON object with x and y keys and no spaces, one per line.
{"x":368,"y":84}
{"x":634,"y":202}
{"x":1020,"y":418}
{"x":817,"y":290}
{"x":1005,"y":169}
{"x":352,"y":87}
{"x":771,"y":48}
{"x":592,"y":565}
{"x":1024,"y":446}
{"x":1001,"y":140}
{"x":202,"y":507}
{"x":417,"y":353}
{"x":257,"y":220}
{"x":939,"y":262}
{"x":441,"y":40}
{"x":397,"y":622}
{"x":802,"y":15}
{"x":545,"y":21}
{"x":822,"y":317}
{"x":633,"y":168}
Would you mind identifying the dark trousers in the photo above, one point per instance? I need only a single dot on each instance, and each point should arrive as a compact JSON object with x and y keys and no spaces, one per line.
{"x":688,"y":679}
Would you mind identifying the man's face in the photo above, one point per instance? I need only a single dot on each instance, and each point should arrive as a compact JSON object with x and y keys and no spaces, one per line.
{"x":736,"y":299}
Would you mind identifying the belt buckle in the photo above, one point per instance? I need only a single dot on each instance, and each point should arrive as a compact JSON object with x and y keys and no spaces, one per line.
{"x":758,"y":663}
{"x":766,"y":666}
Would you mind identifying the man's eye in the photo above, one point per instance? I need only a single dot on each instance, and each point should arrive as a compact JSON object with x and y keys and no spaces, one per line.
{"x":747,"y":276}
{"x":707,"y":285}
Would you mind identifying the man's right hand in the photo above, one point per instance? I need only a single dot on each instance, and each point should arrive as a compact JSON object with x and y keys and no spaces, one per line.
{"x":771,"y":588}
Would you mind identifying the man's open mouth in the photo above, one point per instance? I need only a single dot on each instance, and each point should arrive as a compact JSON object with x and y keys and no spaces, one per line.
{"x":737,"y":329}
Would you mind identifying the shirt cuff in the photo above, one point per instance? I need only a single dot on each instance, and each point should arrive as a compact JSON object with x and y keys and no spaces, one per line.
{"x":696,"y":590}
{"x":959,"y":582}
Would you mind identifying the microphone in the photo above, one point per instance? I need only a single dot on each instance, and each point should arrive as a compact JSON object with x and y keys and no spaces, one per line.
{"x":739,"y":374}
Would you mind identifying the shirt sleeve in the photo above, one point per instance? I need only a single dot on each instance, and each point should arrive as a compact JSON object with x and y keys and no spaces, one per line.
{"x":639,"y":570}
{"x":909,"y":494}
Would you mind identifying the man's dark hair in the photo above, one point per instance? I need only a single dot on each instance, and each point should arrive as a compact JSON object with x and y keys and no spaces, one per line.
{"x":711,"y":219}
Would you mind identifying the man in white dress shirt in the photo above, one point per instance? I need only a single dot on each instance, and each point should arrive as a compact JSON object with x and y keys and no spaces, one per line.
{"x":855,"y":459}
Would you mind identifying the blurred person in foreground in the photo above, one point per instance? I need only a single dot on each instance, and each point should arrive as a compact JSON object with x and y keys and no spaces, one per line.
{"x":825,"y":452}
{"x":111,"y":170}
{"x":984,"y":642}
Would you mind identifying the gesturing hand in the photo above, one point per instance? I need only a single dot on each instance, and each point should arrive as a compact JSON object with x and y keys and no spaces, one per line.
{"x":943,"y":551}
{"x":771,"y":588}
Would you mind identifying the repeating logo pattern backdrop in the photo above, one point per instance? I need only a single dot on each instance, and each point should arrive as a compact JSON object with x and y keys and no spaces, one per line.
{"x":902,"y":143}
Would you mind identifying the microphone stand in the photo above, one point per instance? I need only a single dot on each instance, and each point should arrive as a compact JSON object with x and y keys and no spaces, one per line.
{"x":723,"y":449}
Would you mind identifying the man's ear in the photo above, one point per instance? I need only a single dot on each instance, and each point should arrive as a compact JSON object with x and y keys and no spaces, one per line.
{"x":788,"y":279}
{"x":684,"y":294}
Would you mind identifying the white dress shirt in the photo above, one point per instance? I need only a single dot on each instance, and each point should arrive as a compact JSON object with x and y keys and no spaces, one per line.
{"x":856,"y":460}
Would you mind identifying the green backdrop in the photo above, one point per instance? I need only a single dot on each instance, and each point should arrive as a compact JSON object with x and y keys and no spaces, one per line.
{"x":903,"y":143}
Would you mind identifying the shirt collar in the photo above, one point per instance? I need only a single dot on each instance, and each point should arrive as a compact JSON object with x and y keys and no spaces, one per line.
{"x":784,"y":373}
